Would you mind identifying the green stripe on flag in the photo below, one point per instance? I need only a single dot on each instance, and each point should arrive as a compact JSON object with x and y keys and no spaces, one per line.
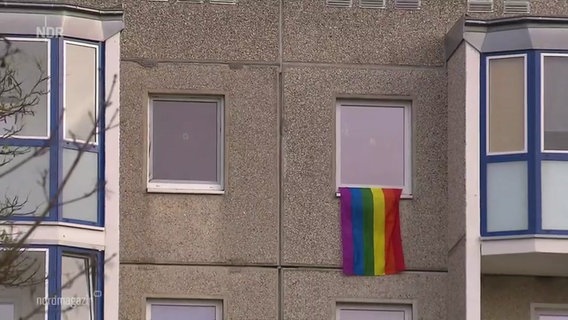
{"x":368,"y":246}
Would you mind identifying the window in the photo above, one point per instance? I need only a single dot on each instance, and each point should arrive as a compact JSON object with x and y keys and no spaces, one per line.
{"x":61,"y":280}
{"x":549,"y":312}
{"x":22,"y":301}
{"x":77,"y":280}
{"x":58,"y":93}
{"x":185,"y":144}
{"x":184,"y":309}
{"x":373,"y":312}
{"x":524,"y":148}
{"x":373,"y":143}
{"x":7,"y":311}
{"x":506,"y":105}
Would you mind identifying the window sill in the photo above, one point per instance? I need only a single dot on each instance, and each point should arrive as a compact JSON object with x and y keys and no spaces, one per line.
{"x":402,"y":197}
{"x":60,"y":224}
{"x":183,"y":191}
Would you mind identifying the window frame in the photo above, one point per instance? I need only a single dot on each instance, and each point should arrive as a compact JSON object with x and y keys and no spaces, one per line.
{"x":544,"y":309}
{"x":97,"y":89}
{"x":408,"y":156}
{"x":487,"y":105}
{"x":96,"y":260}
{"x":541,"y":88}
{"x":188,"y":186}
{"x":217,"y":303}
{"x":407,"y":308}
{"x":48,"y":87}
{"x":49,"y":284}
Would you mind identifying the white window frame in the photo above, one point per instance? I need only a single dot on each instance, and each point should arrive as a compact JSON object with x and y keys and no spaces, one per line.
{"x":97,"y":89}
{"x":487,"y":91}
{"x":90,"y":277}
{"x":407,"y":187}
{"x":542,"y":56}
{"x":218,"y":304}
{"x":405,"y":307}
{"x":48,"y":95}
{"x":185,"y":186}
{"x":548,"y":309}
{"x":15,"y":302}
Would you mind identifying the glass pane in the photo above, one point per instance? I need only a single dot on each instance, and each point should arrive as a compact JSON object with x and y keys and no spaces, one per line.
{"x":28,"y":289}
{"x":555,"y":100}
{"x":80,"y":91}
{"x":77,"y":288}
{"x":507,"y":203}
{"x":80,"y":194}
{"x":348,"y":314}
{"x":7,"y":311}
{"x":506,"y":110}
{"x":187,"y":312}
{"x":372,"y":146}
{"x":25,"y":186}
{"x":185,"y":139}
{"x":27,"y":65}
{"x":554,"y":191}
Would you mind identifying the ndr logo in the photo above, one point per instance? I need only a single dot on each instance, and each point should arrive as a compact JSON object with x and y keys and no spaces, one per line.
{"x":49,"y":32}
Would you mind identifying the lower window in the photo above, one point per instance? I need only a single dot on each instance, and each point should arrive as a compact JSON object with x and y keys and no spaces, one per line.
{"x":354,"y":311}
{"x":165,"y":309}
{"x":549,"y":312}
{"x":52,"y":283}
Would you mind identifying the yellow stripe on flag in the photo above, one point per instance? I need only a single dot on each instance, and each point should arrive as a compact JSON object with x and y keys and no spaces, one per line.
{"x":379,"y":230}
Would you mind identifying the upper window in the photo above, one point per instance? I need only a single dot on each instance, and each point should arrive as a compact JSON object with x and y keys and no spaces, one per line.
{"x":373,"y":146}
{"x":524,"y":143}
{"x":81,"y":87}
{"x":506,"y":95}
{"x":50,"y":140}
{"x":554,"y":102}
{"x":373,"y":312}
{"x":161,"y":309}
{"x":186,"y":144}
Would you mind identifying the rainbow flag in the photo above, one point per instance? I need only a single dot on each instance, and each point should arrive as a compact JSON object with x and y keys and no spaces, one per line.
{"x":370,"y":231}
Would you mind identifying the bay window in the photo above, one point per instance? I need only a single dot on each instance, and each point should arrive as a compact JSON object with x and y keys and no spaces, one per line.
{"x":524,"y":143}
{"x":52,"y":146}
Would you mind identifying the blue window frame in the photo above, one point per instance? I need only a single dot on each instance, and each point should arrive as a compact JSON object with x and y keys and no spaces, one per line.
{"x":511,"y":177}
{"x":69,"y":96}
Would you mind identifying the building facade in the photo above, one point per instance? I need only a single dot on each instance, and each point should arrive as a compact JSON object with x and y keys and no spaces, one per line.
{"x":265,"y":108}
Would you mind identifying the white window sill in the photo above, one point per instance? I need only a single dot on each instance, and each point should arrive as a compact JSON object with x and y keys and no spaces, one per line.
{"x":402,"y":197}
{"x":187,"y":188}
{"x":183,"y":191}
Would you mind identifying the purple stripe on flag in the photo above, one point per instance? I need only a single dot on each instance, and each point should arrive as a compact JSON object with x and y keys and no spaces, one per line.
{"x":346,"y":231}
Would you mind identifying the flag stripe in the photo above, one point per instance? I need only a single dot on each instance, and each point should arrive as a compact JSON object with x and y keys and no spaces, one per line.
{"x":397,"y":241}
{"x":346,"y":231}
{"x":368,"y":226}
{"x":357,"y":221}
{"x":379,"y":230}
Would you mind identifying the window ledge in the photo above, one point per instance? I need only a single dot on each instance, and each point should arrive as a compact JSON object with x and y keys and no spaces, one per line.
{"x":184,"y":191}
{"x":60,"y":224}
{"x":402,"y":197}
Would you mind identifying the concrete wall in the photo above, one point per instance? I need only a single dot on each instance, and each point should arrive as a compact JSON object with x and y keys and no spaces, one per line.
{"x":456,"y":222}
{"x":281,"y":65}
{"x":510,"y":297}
